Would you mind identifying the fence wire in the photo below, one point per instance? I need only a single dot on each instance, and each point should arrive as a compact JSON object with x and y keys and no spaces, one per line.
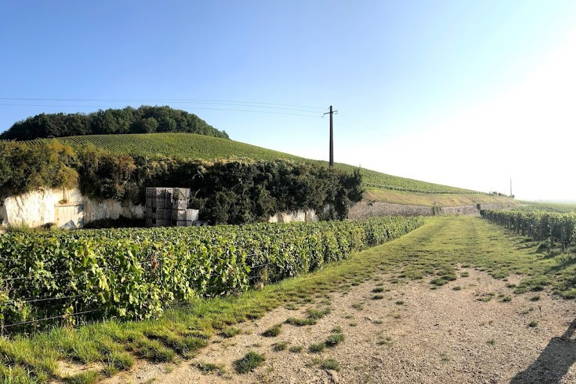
{"x":49,"y":318}
{"x":252,"y":278}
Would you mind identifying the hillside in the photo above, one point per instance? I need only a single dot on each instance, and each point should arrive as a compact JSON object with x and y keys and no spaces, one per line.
{"x":432,"y":199}
{"x":210,"y":148}
{"x":380,"y":186}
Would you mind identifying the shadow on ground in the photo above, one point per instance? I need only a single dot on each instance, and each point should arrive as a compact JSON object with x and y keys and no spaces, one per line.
{"x":554,"y":361}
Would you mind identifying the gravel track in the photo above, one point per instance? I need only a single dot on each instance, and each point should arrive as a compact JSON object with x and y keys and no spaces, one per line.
{"x":412,"y":335}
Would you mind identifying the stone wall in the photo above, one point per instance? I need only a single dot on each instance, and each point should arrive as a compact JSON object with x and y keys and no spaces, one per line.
{"x":365,"y":209}
{"x":68,"y":208}
{"x":63,"y":208}
{"x":296,"y":216}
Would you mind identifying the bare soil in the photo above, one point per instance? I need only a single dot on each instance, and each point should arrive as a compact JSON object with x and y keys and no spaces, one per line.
{"x":414,"y":334}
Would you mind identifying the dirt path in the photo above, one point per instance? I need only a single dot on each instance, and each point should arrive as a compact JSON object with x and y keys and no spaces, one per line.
{"x":413,"y":334}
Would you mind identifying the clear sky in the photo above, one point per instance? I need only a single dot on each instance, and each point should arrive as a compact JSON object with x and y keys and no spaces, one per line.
{"x":459,"y":92}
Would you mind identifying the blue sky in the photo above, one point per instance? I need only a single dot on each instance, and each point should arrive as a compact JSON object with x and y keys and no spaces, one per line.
{"x":435,"y":90}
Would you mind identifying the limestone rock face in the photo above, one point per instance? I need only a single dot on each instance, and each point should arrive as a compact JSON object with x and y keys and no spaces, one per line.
{"x":296,"y":216}
{"x":63,"y":208}
{"x":68,"y":208}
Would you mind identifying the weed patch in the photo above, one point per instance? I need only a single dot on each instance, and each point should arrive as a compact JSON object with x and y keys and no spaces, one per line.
{"x":330,"y":364}
{"x":316,"y":348}
{"x":334,"y":340}
{"x":273,"y":331}
{"x":296,"y":349}
{"x":249,"y":362}
{"x":210,"y":368}
{"x":278,"y":347}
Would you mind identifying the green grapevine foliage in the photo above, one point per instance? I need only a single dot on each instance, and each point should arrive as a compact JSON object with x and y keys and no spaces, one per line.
{"x":539,"y":225}
{"x":137,"y":273}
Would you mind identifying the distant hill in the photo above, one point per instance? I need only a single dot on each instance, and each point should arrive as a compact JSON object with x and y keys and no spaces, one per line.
{"x":144,"y":119}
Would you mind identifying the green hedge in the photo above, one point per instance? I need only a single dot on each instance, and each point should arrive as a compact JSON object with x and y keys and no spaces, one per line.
{"x":135,"y":274}
{"x":225,"y":192}
{"x":25,"y":168}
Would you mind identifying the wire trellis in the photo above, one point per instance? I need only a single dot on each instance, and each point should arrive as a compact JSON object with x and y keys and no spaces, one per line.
{"x":253,"y":279}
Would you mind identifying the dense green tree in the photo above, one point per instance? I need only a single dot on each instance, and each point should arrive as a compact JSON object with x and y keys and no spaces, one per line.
{"x":145,"y":119}
{"x":146,"y":125}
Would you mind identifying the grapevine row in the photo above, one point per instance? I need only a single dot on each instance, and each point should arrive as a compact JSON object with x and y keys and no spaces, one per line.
{"x":538,"y":225}
{"x":137,"y":273}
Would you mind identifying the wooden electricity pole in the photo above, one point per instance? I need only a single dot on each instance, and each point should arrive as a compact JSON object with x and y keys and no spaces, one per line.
{"x":511,"y":194}
{"x":331,"y":112}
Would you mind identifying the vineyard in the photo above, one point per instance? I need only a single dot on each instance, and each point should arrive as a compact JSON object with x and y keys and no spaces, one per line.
{"x":70,"y":277}
{"x":539,"y":225}
{"x":433,"y":199}
{"x":558,"y":207}
{"x":194,"y":146}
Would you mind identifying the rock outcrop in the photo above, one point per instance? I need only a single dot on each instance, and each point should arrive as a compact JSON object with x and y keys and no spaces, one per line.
{"x":62,"y":208}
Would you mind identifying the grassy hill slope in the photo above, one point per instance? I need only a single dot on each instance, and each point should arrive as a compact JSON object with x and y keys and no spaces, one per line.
{"x":384,"y":187}
{"x":432,"y":199}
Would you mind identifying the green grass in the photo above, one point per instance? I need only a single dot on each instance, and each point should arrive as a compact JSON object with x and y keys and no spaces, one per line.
{"x":439,"y":247}
{"x":272,"y":331}
{"x":187,"y":145}
{"x":313,"y":315}
{"x":210,"y":368}
{"x":89,"y":377}
{"x":316,"y":348}
{"x":452,"y":199}
{"x":229,"y":332}
{"x":317,"y":314}
{"x":330,"y":364}
{"x":281,"y":346}
{"x":334,"y":340}
{"x":300,"y":322}
{"x":249,"y":362}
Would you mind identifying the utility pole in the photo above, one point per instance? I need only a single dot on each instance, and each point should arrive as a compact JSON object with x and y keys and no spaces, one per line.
{"x":331,"y":112}
{"x":511,"y":187}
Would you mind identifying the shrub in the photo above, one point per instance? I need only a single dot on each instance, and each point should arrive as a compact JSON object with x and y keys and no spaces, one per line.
{"x":25,"y":168}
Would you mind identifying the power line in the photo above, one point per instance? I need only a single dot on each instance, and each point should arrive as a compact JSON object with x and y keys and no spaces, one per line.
{"x":224,"y":109}
{"x":258,"y":104}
